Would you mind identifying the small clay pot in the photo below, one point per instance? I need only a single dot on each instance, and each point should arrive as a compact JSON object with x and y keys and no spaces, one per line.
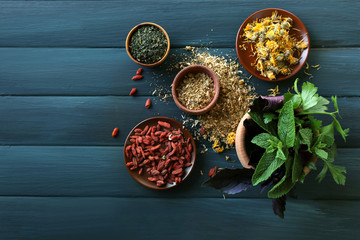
{"x":240,"y":146}
{"x":240,"y":143}
{"x":196,"y":69}
{"x":134,"y":30}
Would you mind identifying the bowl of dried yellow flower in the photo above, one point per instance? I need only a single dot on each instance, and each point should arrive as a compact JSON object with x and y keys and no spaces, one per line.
{"x":272,"y":44}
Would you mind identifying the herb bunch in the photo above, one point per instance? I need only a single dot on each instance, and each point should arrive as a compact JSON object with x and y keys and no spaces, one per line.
{"x":291,"y":134}
{"x":290,"y":140}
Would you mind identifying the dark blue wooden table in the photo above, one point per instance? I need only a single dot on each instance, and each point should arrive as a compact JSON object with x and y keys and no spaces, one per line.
{"x":64,"y":84}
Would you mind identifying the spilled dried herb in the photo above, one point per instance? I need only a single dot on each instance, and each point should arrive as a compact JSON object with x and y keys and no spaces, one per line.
{"x":148,"y":44}
{"x":220,"y":123}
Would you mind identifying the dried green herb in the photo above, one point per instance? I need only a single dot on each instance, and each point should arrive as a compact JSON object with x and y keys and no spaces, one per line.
{"x":148,"y":44}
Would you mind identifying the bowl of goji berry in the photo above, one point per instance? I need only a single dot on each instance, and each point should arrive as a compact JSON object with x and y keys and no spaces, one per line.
{"x":159,"y":153}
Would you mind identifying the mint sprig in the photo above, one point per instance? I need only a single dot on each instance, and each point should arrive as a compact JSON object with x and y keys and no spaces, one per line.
{"x":292,"y":133}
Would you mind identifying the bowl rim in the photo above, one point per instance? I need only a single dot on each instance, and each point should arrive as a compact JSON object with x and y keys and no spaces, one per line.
{"x":183,"y":129}
{"x":133,"y":30}
{"x":304,"y":55}
{"x":196,"y":68}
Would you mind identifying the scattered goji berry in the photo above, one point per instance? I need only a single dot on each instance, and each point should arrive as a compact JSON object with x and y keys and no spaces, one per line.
{"x":139,"y":71}
{"x":137,"y":77}
{"x":133,"y":91}
{"x":148,"y":103}
{"x":115,"y":132}
{"x":213,"y":171}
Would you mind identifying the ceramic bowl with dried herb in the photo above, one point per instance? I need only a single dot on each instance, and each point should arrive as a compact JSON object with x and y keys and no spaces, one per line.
{"x":196,"y":89}
{"x":272,"y":44}
{"x":148,"y":44}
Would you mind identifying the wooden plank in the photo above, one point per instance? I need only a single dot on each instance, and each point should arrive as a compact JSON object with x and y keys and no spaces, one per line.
{"x":90,"y":120}
{"x":113,"y":218}
{"x":100,"y":171}
{"x":59,"y":71}
{"x":107,"y":23}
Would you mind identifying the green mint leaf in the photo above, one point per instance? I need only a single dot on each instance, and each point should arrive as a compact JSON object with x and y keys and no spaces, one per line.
{"x":265,"y":140}
{"x":337,"y":173}
{"x":331,"y":151}
{"x":306,"y":136}
{"x":296,"y":99}
{"x":322,"y":174}
{"x":334,"y":100}
{"x":321,"y":153}
{"x":326,"y":135}
{"x":280,"y":154}
{"x":338,"y":127}
{"x":288,"y":96}
{"x":319,"y":107}
{"x":281,"y":188}
{"x":268,"y":117}
{"x":285,"y":184}
{"x":286,"y":125}
{"x":321,"y":145}
{"x":308,"y":95}
{"x":266,"y":166}
{"x":262,"y":140}
{"x":258,"y":119}
{"x":314,"y":123}
{"x":297,"y":167}
{"x":271,"y":149}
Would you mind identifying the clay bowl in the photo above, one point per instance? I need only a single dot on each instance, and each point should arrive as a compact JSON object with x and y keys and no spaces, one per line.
{"x":247,"y":57}
{"x":134,"y":30}
{"x":195,"y":69}
{"x":240,"y":146}
{"x":143,"y":178}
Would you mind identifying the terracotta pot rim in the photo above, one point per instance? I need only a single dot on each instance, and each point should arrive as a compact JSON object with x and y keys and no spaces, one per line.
{"x":133,"y":30}
{"x":196,"y":69}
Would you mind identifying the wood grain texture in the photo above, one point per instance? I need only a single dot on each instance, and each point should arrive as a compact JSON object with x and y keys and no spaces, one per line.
{"x":100,"y":171}
{"x":114,"y":218}
{"x":106,"y":23}
{"x":95,"y":72}
{"x":90,"y":120}
{"x":64,"y":81}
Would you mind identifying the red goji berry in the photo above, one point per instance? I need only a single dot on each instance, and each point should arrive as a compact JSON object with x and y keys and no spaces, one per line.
{"x":115,"y":132}
{"x":137,"y":77}
{"x":148,"y":103}
{"x":133,"y":91}
{"x":213,"y":171}
{"x":139,"y":71}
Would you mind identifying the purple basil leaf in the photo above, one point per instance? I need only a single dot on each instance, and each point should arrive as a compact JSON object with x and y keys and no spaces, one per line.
{"x":273,"y":102}
{"x":231,"y":181}
{"x":278,"y":205}
{"x":274,"y":178}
